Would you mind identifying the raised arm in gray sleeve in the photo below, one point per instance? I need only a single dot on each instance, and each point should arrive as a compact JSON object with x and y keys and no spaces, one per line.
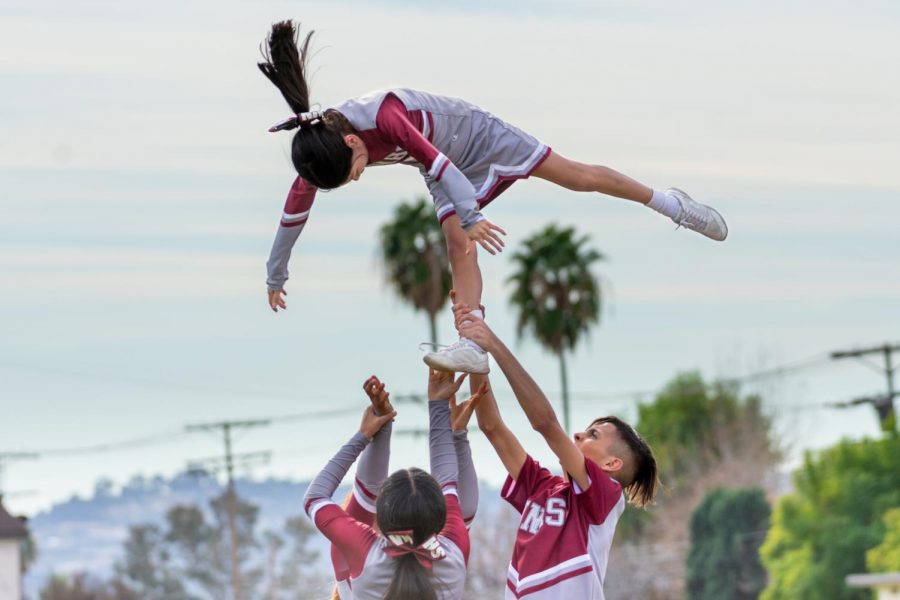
{"x":468,"y":480}
{"x":440,"y":443}
{"x":277,"y":265}
{"x":329,"y":478}
{"x":373,"y":464}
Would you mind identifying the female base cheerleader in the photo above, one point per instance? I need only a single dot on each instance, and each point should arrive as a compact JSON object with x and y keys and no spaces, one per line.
{"x":421,"y":547}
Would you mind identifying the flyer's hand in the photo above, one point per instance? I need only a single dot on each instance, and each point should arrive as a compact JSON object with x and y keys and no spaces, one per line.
{"x":476,"y":330}
{"x":276,"y":299}
{"x":461,"y":413}
{"x":485,"y":233}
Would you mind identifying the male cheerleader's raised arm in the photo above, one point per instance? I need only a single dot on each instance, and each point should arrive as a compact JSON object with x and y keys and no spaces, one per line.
{"x":532,"y":400}
{"x":392,"y":122}
{"x":297,"y":207}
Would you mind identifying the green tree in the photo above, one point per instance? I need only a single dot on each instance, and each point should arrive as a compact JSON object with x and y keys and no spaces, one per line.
{"x":556,"y":295}
{"x":415,"y":260}
{"x":692,"y":425}
{"x":822,"y":531}
{"x":885,"y":557}
{"x":146,"y":569}
{"x":726,"y":532}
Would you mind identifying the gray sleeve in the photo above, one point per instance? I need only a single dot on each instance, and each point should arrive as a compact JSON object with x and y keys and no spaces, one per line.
{"x":440,"y":443}
{"x":329,"y":478}
{"x":277,"y":265}
{"x":373,"y":464}
{"x":454,"y":186}
{"x":468,"y":480}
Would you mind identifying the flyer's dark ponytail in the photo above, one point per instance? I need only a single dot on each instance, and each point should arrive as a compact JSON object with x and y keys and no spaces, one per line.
{"x":318,"y":150}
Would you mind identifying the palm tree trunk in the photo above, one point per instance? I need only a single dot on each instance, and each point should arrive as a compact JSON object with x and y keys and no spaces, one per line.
{"x":432,"y":321}
{"x":565,"y":390}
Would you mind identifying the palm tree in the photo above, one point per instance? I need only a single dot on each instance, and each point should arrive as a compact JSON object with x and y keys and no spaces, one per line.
{"x":415,"y":259}
{"x":557,"y":296}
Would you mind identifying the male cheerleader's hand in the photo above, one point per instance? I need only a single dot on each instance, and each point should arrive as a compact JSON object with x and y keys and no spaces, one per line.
{"x":458,"y":306}
{"x":461,"y":413}
{"x":378,"y":396}
{"x":475,"y":329}
{"x":372,"y":423}
{"x":484,"y":232}
{"x":276,"y":300}
{"x":441,"y":385}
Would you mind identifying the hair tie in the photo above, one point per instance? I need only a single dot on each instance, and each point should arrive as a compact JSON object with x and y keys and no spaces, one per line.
{"x":297,"y":120}
{"x":400,"y":543}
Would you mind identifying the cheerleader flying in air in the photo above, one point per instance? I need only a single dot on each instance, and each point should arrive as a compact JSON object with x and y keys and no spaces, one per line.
{"x":466,"y":155}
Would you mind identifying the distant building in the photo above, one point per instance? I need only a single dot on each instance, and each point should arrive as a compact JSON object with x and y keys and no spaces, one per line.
{"x":886,"y":585}
{"x":12,"y":535}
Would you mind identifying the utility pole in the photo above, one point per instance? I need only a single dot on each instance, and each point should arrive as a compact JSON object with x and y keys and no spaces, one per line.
{"x":230,"y":496}
{"x":6,"y":457}
{"x":884,"y":405}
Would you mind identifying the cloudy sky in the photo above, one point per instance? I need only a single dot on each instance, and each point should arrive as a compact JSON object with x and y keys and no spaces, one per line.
{"x":139,"y":192}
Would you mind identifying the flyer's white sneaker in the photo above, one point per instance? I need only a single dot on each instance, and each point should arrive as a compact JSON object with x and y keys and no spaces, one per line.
{"x":459,"y":357}
{"x":698,"y":217}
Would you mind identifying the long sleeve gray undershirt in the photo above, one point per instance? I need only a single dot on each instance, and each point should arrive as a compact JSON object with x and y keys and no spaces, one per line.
{"x":372,"y":468}
{"x":330,"y":477}
{"x":277,"y":265}
{"x":468,"y":479}
{"x":442,"y":453}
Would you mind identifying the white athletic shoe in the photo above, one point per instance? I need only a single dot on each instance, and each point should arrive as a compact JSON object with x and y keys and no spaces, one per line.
{"x":699,"y":217}
{"x":459,"y":357}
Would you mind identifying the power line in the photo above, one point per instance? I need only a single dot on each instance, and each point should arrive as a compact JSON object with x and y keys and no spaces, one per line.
{"x":883,"y":404}
{"x":228,"y":461}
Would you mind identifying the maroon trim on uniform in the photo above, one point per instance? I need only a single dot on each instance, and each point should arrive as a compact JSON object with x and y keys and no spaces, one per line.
{"x":430,"y":127}
{"x":549,"y":583}
{"x":449,"y":484}
{"x":504,"y":181}
{"x":293,"y":223}
{"x":442,"y":169}
{"x":365,"y":490}
{"x":445,"y":217}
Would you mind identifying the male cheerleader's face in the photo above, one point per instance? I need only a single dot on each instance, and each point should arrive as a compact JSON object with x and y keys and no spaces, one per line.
{"x":360,"y":157}
{"x":601,"y":443}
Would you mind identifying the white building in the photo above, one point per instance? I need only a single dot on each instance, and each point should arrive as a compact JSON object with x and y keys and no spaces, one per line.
{"x":12,"y":534}
{"x":886,"y":585}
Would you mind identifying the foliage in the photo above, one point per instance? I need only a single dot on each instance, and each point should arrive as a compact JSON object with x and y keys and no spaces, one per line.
{"x":189,"y":559}
{"x":705,"y":436}
{"x":692,"y":424}
{"x":557,"y":296}
{"x":81,"y":586}
{"x":415,"y":258}
{"x":555,"y":293}
{"x":822,"y":531}
{"x":885,"y":557}
{"x":726,"y":532}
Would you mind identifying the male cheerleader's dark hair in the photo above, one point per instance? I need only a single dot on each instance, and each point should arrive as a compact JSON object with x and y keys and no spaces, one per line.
{"x":639,"y":477}
{"x":411,"y":501}
{"x":318,"y":150}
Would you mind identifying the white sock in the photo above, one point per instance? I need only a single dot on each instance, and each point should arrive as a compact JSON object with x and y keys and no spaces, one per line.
{"x":478,"y":314}
{"x":665,"y":204}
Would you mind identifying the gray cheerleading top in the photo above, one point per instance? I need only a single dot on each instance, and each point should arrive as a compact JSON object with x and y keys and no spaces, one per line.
{"x":370,"y":569}
{"x":466,"y":155}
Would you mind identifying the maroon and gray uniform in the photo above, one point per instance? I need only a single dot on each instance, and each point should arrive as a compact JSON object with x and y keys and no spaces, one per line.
{"x":370,"y":568}
{"x":371,"y":472}
{"x":564,"y":536}
{"x":467,"y":156}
